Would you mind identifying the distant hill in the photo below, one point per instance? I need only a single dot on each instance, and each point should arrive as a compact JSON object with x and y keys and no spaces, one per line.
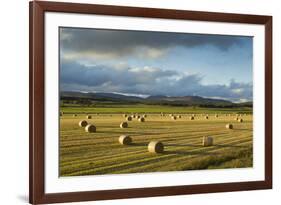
{"x":187,"y":99}
{"x":81,"y":97}
{"x":99,"y":96}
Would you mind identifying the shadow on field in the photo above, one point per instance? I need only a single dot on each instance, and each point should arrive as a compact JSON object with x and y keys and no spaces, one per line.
{"x":230,"y":146}
{"x":157,"y":128}
{"x":183,"y":145}
{"x":202,"y":153}
{"x":244,"y":129}
{"x":214,"y":146}
{"x":139,"y":144}
{"x":128,"y":131}
{"x":144,"y":133}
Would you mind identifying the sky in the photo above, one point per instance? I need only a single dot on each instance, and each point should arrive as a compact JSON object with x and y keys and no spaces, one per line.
{"x":145,"y":63}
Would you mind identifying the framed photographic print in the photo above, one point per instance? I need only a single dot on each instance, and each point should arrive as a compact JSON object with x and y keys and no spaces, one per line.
{"x":138,"y":102}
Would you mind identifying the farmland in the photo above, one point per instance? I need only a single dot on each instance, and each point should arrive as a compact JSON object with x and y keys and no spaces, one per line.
{"x":83,"y":153}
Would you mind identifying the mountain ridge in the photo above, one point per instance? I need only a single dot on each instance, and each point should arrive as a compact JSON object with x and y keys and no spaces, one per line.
{"x":153,"y":99}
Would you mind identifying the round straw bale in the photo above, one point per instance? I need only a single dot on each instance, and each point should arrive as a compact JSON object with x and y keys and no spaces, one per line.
{"x":74,"y":115}
{"x":141,"y":119}
{"x":216,"y":115}
{"x":83,"y":123}
{"x":123,"y":125}
{"x":133,"y":116}
{"x":240,"y":120}
{"x":125,"y":140}
{"x":90,"y":128}
{"x":229,"y":126}
{"x":191,"y":118}
{"x":129,"y":118}
{"x":236,"y":119}
{"x":207,"y":141}
{"x":179,"y":116}
{"x":173,"y":117}
{"x":144,"y":116}
{"x":124,"y":115}
{"x":89,"y":117}
{"x":206,"y":117}
{"x":138,"y":117}
{"x":156,"y":147}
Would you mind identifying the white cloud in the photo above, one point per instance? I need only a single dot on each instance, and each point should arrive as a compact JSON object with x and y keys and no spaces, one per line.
{"x":238,"y":90}
{"x":146,"y":81}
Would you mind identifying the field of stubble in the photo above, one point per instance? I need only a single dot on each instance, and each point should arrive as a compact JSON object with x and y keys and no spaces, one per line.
{"x":83,"y":153}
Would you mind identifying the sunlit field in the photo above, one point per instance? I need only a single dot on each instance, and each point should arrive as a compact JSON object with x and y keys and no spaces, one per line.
{"x":83,"y":153}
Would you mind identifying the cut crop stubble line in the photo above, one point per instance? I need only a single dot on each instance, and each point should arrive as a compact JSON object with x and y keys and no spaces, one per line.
{"x":100,"y":141}
{"x":156,"y":160}
{"x":137,"y":154}
{"x":99,"y":153}
{"x":138,"y":162}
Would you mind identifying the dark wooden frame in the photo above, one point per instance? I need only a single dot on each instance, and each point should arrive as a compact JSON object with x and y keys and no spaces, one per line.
{"x":36,"y":150}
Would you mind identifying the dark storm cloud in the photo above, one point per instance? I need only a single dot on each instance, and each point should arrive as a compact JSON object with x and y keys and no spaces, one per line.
{"x":98,"y":75}
{"x":114,"y":43}
{"x":145,"y":81}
